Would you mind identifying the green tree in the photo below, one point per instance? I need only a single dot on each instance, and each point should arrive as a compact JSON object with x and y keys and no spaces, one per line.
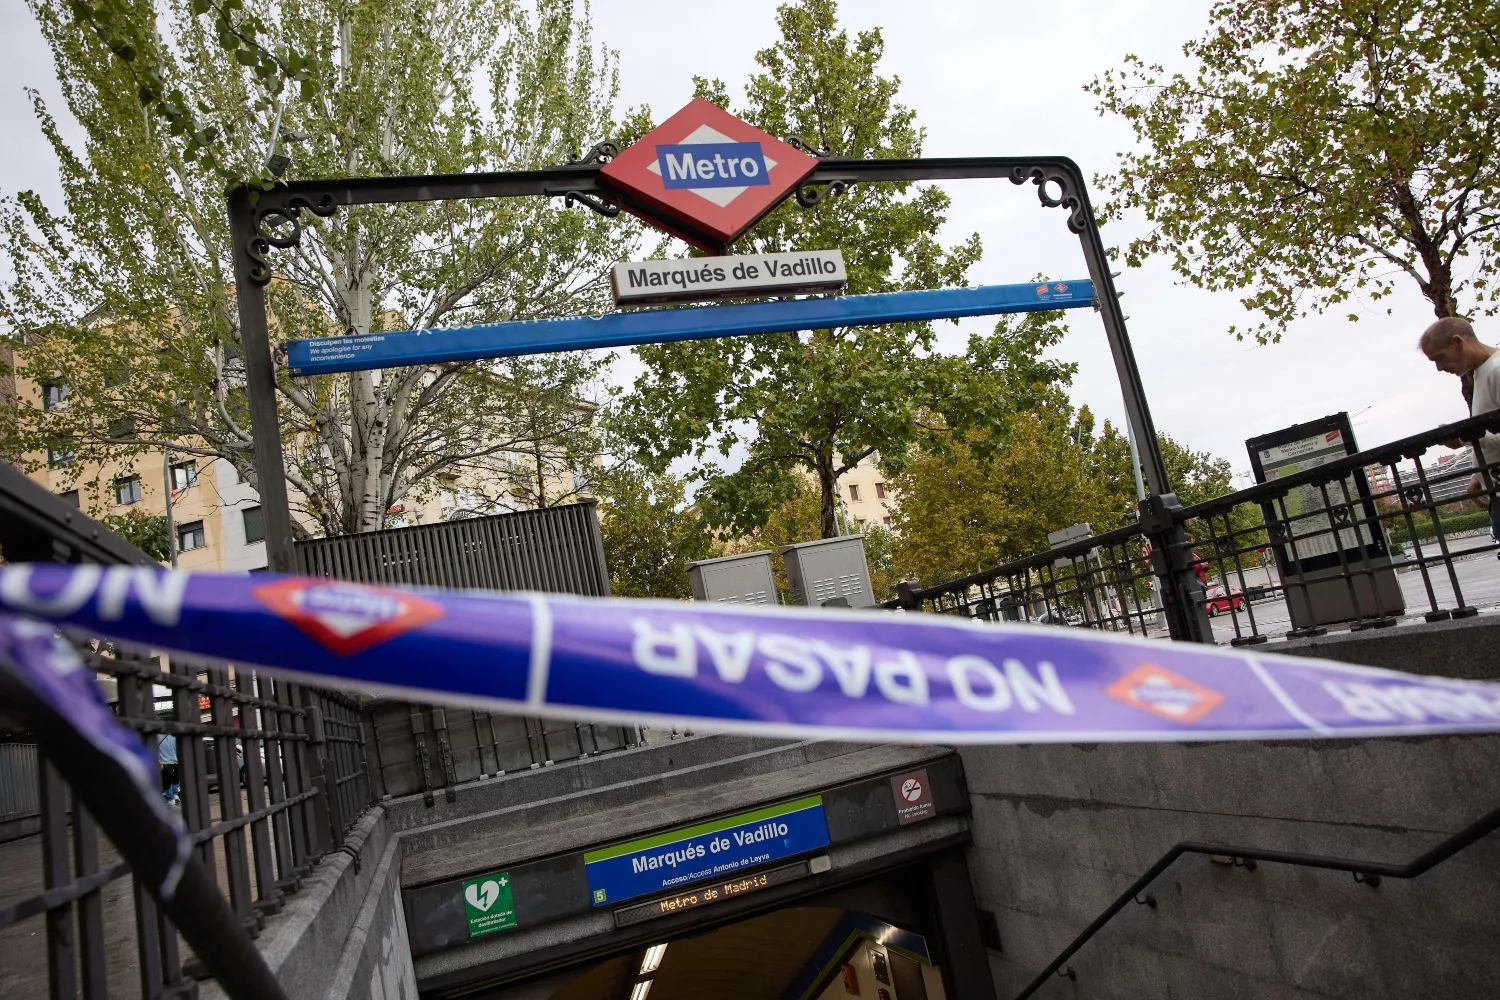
{"x":1320,"y":151}
{"x":125,"y":293}
{"x":799,"y":518}
{"x":818,"y":402}
{"x":650,"y":534}
{"x":974,"y":504}
{"x":147,"y":532}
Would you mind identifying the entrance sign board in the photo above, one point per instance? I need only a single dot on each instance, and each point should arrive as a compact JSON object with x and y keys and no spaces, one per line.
{"x":705,"y":176}
{"x":700,"y":279}
{"x":497,"y":340}
{"x":716,"y":849}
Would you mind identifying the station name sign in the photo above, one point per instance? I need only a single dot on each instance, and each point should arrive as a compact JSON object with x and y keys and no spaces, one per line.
{"x":716,"y":849}
{"x":702,"y":279}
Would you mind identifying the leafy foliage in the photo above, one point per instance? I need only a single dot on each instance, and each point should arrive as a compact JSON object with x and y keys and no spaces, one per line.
{"x":650,"y":534}
{"x":818,"y":403}
{"x":1321,"y":151}
{"x":968,"y":507}
{"x":126,"y":293}
{"x":147,"y":532}
{"x":128,"y":30}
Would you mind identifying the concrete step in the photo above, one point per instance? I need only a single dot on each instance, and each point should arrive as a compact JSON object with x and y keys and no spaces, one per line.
{"x":572,"y":776}
{"x":660,"y":789}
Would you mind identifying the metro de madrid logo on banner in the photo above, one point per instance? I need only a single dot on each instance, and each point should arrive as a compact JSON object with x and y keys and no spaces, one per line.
{"x":346,"y":618}
{"x":705,"y":176}
{"x":1162,"y":693}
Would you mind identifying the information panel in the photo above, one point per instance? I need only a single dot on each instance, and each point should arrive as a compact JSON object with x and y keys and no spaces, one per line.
{"x":1312,"y":542}
{"x":326,"y":355}
{"x":709,"y":850}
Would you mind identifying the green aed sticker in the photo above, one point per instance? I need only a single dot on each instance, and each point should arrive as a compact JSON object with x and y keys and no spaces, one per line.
{"x":488,"y":905}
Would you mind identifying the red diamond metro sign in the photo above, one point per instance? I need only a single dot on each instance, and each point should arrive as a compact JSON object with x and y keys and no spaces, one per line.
{"x":704,"y":176}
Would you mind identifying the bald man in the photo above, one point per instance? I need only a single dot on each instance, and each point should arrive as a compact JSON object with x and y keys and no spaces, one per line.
{"x":1450,"y":344}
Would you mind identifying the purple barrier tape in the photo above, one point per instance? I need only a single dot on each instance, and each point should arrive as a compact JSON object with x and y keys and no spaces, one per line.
{"x":799,"y":672}
{"x":34,"y":656}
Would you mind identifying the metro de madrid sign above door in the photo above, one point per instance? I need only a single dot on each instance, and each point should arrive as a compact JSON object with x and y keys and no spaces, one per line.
{"x":704,"y":176}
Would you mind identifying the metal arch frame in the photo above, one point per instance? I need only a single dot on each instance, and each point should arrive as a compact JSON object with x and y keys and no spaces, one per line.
{"x":274,"y":221}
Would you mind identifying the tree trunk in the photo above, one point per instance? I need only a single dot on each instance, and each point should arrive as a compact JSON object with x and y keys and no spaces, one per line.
{"x":829,"y":485}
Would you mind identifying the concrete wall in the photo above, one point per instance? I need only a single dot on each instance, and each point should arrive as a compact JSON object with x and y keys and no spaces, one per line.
{"x":1060,"y":831}
{"x":343,"y":935}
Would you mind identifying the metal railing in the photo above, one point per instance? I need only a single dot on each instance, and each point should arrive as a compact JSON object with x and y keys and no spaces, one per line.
{"x":1367,"y":872}
{"x":554,"y":549}
{"x":1362,"y":541}
{"x":269,"y":776}
{"x":424,"y":748}
{"x":18,"y":785}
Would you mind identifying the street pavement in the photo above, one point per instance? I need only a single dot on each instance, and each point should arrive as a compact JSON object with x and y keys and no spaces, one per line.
{"x":1474,"y":565}
{"x":23,"y":945}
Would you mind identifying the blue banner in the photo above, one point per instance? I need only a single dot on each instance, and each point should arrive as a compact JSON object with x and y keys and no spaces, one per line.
{"x":800,"y":672}
{"x":721,"y":848}
{"x":325,"y":355}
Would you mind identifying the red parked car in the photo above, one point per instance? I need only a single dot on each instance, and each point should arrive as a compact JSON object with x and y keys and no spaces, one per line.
{"x":1219,"y":601}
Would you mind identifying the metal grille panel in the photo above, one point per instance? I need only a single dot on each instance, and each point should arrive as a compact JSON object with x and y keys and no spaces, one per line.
{"x":556,"y":549}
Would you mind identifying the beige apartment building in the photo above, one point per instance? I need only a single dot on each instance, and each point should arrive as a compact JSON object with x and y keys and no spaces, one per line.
{"x":865,"y":498}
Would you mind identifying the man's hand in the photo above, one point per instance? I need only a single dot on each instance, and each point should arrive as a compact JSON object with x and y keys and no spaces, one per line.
{"x":1454,"y":443}
{"x":1475,"y":483}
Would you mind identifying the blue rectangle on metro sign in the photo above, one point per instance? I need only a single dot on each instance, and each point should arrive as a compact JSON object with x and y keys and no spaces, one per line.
{"x":720,"y":848}
{"x":712,"y":165}
{"x":325,"y":355}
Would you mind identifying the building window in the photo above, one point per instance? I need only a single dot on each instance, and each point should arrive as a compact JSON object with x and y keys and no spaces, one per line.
{"x":887,"y":522}
{"x":54,"y":396}
{"x":880,"y":491}
{"x":255,"y":525}
{"x":57,"y":457}
{"x":853,"y":492}
{"x":184,"y":474}
{"x":70,"y":497}
{"x":190,"y":537}
{"x":128,"y":489}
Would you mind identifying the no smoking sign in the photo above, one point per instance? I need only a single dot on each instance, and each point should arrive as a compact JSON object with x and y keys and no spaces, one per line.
{"x":913,"y":796}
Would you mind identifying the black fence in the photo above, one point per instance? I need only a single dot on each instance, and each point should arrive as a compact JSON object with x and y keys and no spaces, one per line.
{"x":555,"y":549}
{"x":269,"y":776}
{"x":1360,"y":542}
{"x":427,"y":748}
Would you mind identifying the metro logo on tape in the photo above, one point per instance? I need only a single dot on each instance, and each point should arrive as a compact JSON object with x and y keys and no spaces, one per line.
{"x":1161,"y":692}
{"x":346,"y":618}
{"x":705,"y":176}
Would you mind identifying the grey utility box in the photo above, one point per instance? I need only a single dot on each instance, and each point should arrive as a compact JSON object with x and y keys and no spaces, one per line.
{"x":741,"y":579}
{"x":830,"y":572}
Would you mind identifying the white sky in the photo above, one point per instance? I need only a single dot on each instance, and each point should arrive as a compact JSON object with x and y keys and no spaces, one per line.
{"x":996,"y":78}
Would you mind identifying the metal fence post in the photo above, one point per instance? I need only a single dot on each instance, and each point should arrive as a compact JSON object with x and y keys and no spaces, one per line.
{"x":328,"y":829}
{"x":250,"y":278}
{"x":1172,"y":562}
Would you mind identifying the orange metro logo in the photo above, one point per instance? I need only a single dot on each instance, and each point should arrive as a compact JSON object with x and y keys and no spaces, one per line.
{"x":1164,"y":694}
